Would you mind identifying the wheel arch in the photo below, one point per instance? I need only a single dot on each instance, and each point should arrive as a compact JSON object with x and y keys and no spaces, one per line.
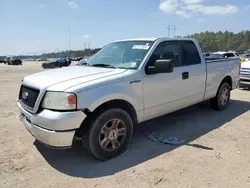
{"x":115,"y":103}
{"x":227,"y":79}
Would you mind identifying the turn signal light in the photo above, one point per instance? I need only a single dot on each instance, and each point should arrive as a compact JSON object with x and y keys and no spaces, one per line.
{"x":71,"y":99}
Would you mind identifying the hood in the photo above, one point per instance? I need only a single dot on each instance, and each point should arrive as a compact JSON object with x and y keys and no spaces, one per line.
{"x":245,"y":64}
{"x":69,"y":76}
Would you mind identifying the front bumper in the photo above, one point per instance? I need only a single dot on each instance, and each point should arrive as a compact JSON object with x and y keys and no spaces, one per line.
{"x":244,"y":84}
{"x":55,"y":129}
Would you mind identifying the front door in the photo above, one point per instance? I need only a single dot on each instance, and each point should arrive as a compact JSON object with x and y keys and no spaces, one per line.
{"x":168,"y":92}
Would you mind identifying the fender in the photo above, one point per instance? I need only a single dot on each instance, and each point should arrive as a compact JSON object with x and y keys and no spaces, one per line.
{"x":94,"y":97}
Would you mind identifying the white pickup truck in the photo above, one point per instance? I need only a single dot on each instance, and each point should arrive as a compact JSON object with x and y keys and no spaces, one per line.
{"x":127,"y":82}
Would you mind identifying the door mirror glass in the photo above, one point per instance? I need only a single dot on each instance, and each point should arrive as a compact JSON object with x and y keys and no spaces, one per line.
{"x":161,"y":66}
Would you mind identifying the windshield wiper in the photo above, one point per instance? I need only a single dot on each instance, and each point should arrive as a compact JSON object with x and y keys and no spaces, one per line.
{"x":104,"y":65}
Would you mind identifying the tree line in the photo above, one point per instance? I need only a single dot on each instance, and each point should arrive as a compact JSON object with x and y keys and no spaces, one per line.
{"x":71,"y":53}
{"x":67,"y":53}
{"x":223,"y":41}
{"x":209,"y":42}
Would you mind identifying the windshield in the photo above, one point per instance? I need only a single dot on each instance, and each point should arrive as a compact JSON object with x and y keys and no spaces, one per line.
{"x":125,"y":54}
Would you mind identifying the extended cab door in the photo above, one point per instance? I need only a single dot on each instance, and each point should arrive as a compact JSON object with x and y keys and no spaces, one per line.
{"x":168,"y":92}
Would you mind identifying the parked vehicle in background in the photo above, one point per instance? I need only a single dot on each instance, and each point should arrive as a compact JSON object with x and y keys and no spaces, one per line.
{"x":77,"y":58}
{"x":215,"y":56}
{"x":245,"y":75}
{"x":14,"y":61}
{"x":244,"y":57}
{"x":2,"y":61}
{"x":7,"y":60}
{"x":206,"y":54}
{"x":42,"y":59}
{"x":228,"y":54}
{"x":61,"y":62}
{"x":82,"y":62}
{"x":127,"y":82}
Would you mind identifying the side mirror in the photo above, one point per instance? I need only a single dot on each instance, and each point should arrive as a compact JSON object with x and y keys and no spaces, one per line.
{"x":161,"y":66}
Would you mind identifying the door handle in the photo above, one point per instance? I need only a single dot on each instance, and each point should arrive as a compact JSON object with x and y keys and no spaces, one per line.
{"x":185,"y":75}
{"x":134,"y":82}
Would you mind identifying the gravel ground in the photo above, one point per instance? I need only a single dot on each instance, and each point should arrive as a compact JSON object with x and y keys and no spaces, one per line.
{"x":216,"y":153}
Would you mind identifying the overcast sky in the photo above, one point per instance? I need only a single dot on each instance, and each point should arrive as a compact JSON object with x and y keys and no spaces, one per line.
{"x":38,"y":26}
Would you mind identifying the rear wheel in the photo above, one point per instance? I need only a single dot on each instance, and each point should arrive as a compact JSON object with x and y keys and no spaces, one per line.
{"x":110,"y":134}
{"x":221,"y":100}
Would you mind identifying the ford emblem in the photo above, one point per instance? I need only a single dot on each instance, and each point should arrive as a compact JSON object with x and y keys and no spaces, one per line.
{"x":25,"y":95}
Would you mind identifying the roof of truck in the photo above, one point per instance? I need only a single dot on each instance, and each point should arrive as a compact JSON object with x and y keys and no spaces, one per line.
{"x":141,"y":39}
{"x":153,"y":39}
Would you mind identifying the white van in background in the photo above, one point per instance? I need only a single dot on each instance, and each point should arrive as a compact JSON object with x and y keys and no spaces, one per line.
{"x":228,"y":54}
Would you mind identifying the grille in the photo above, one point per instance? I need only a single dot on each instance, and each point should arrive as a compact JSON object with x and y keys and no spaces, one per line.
{"x":28,"y":96}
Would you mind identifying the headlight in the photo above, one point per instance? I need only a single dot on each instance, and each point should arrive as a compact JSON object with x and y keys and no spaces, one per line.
{"x":59,"y":101}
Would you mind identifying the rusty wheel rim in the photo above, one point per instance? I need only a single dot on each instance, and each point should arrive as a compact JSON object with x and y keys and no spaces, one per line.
{"x":112,"y":135}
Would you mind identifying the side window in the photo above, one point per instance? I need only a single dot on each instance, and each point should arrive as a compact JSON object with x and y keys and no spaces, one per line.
{"x":190,"y":53}
{"x":229,"y":55}
{"x":166,"y":50}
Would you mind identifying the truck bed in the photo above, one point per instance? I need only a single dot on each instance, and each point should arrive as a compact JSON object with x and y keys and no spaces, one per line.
{"x":217,"y":69}
{"x":214,"y":60}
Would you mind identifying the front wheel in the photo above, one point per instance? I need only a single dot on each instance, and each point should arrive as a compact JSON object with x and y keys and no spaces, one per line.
{"x":110,"y":134}
{"x":221,"y":100}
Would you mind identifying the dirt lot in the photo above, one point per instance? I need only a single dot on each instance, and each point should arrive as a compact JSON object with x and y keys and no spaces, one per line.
{"x":216,"y":154}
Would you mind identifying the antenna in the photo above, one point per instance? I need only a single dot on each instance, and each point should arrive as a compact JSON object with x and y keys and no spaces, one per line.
{"x":69,"y":43}
{"x":170,"y":28}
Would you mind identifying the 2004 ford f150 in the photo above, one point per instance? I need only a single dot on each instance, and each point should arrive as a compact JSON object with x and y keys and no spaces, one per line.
{"x":125,"y":83}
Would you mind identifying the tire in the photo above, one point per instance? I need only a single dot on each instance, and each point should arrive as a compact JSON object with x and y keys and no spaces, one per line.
{"x":51,"y":66}
{"x":219,"y":102}
{"x":102,"y":134}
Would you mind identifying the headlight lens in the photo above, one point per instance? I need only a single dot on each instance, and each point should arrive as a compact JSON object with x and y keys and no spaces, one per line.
{"x":59,"y":101}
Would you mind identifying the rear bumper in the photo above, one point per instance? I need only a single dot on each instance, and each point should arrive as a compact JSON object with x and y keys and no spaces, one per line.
{"x":55,"y":129}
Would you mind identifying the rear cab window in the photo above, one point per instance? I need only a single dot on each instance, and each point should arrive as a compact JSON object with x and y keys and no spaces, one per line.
{"x":189,"y":52}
